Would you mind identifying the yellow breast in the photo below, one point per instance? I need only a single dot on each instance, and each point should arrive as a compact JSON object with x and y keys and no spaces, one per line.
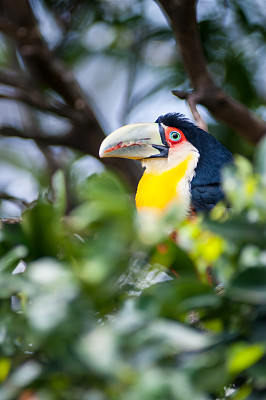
{"x":158,"y":191}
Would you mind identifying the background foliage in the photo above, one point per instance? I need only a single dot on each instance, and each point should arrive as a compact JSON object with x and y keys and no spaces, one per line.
{"x":99,"y":312}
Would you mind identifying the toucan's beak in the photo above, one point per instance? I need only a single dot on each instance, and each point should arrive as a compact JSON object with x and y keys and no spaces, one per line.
{"x":136,"y":141}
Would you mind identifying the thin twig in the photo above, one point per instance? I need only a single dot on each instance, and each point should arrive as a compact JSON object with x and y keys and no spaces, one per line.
{"x":10,"y":220}
{"x":22,"y":204}
{"x":192,"y":100}
{"x":193,"y":107}
{"x":34,"y":99}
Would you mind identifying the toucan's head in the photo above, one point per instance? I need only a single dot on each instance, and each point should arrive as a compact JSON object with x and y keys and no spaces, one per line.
{"x":182,"y":162}
{"x":171,"y":135}
{"x":146,"y":140}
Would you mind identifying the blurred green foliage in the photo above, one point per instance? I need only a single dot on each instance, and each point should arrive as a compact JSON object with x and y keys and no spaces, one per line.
{"x":98,"y":314}
{"x":109,"y":308}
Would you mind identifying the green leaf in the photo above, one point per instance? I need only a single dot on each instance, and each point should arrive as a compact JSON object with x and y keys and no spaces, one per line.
{"x":59,"y":192}
{"x":242,"y":356}
{"x":12,"y":257}
{"x":249,"y":286}
{"x":261,"y":159}
{"x":239,"y":230}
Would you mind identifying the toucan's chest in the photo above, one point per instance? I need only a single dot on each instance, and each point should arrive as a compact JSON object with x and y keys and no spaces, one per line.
{"x":160,"y":190}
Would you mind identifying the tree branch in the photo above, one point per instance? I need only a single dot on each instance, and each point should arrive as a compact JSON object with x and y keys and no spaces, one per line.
{"x":69,"y":140}
{"x":7,"y":28}
{"x":26,"y":93}
{"x":10,"y":221}
{"x":46,"y":69}
{"x":182,"y":17}
{"x":22,"y":204}
{"x":35,"y":100}
{"x":9,"y":131}
{"x":13,"y":79}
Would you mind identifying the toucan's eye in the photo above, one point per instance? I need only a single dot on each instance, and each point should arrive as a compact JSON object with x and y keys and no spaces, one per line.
{"x":175,"y":136}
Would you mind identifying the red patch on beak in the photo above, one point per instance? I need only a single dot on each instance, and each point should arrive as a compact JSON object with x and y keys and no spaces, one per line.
{"x":118,"y":146}
{"x":121,"y":145}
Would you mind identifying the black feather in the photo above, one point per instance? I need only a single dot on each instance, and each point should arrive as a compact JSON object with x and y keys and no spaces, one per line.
{"x":205,"y":197}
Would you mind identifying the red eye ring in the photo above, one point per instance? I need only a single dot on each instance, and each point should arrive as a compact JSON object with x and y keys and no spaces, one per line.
{"x":174,"y":136}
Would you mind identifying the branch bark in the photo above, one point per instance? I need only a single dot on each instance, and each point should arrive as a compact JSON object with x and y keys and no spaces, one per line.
{"x":182,"y":17}
{"x":34,"y":99}
{"x":69,"y":140}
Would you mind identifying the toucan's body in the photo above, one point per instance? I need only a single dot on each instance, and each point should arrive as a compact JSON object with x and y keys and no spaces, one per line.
{"x":182,"y":163}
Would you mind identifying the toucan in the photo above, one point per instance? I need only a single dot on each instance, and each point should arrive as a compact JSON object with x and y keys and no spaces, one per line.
{"x":182,"y":163}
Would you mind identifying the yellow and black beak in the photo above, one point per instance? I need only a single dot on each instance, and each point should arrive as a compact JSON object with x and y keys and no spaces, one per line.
{"x":135,"y":141}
